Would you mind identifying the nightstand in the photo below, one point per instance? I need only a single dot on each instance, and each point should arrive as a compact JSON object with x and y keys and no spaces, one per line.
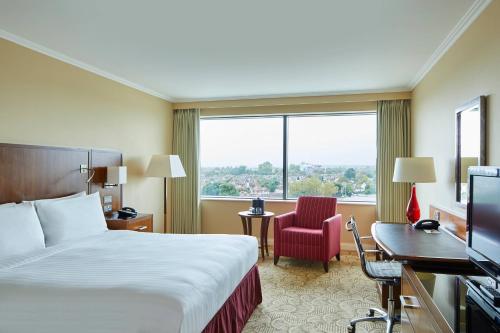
{"x":141,"y":223}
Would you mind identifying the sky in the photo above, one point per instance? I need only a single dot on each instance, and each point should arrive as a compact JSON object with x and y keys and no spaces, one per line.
{"x":325,"y":140}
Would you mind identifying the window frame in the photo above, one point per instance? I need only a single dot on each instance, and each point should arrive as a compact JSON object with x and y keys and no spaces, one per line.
{"x":285,"y":118}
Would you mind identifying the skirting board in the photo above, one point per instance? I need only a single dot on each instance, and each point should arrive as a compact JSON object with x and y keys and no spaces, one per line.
{"x":343,"y":246}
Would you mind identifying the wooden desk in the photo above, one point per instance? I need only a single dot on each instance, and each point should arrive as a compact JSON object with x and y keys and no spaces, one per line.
{"x":439,"y":253}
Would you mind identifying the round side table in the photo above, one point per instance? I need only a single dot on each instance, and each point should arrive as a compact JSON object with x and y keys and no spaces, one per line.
{"x":246,"y":220}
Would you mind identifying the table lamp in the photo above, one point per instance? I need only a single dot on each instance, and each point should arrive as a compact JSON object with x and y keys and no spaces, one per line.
{"x":165,"y":166}
{"x":414,"y":170}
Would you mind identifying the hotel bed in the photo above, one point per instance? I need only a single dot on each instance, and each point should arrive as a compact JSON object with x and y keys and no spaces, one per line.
{"x":62,"y":271}
{"x":124,"y":281}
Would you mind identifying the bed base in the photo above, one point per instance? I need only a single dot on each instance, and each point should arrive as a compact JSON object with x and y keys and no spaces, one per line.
{"x":238,"y":308}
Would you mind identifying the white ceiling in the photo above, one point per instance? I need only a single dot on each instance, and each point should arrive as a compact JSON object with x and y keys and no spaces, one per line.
{"x":185,"y":50}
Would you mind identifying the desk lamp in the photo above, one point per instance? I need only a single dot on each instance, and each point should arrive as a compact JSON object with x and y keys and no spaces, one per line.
{"x":414,"y":170}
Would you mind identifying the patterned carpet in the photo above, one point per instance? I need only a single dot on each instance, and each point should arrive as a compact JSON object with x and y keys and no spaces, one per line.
{"x":299,"y":296}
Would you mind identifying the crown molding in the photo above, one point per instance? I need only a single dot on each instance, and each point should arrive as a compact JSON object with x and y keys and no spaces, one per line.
{"x":64,"y":58}
{"x":474,"y":11}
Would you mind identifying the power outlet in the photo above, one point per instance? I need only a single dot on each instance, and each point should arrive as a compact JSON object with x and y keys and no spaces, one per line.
{"x":107,"y":203}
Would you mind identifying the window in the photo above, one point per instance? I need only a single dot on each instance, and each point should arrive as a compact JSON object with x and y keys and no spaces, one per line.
{"x":330,"y":155}
{"x":242,"y":157}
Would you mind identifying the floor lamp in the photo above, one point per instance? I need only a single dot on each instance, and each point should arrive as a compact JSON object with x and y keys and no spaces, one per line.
{"x":165,"y":166}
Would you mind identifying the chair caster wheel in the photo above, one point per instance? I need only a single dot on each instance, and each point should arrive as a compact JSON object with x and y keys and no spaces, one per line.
{"x":371,"y":313}
{"x":351,"y":329}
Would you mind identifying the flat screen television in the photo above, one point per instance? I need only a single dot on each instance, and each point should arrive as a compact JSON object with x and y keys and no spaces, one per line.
{"x":483,"y":219}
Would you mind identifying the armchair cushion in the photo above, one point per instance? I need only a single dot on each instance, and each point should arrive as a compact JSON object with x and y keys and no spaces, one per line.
{"x":303,"y":236}
{"x":312,"y":211}
{"x":302,"y":243}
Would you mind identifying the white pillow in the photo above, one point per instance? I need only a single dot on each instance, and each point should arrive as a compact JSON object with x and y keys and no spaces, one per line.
{"x":70,"y":219}
{"x":76,"y":195}
{"x":20,"y":230}
{"x":8,"y":204}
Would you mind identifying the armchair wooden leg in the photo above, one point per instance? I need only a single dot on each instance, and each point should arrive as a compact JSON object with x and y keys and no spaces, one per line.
{"x":338,"y":256}
{"x":276,"y":258}
{"x":325,"y":266}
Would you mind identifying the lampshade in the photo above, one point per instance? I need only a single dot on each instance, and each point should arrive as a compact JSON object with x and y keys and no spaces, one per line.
{"x":117,"y":175}
{"x":165,"y":166}
{"x":414,"y":170}
{"x":465,"y":163}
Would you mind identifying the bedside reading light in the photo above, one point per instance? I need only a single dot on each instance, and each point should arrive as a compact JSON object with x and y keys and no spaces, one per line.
{"x":85,"y":169}
{"x":116,"y":175}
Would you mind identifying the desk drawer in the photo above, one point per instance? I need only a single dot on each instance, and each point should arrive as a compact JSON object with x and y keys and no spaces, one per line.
{"x":143,"y":225}
{"x":414,"y":314}
{"x":416,"y":305}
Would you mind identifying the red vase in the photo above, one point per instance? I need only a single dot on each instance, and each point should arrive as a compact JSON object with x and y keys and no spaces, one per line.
{"x":413,"y":209}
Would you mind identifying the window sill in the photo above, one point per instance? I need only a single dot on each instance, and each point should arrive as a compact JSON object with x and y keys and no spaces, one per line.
{"x":340,"y":203}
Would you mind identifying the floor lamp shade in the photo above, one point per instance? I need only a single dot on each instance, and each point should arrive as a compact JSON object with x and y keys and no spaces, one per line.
{"x":165,"y":166}
{"x":414,"y":170}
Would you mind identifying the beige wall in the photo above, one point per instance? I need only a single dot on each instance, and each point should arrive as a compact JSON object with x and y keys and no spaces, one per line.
{"x":47,"y":102}
{"x":221,"y":216}
{"x":470,"y":68}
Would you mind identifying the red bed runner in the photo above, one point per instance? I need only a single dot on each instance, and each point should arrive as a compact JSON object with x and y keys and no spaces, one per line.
{"x":238,"y":308}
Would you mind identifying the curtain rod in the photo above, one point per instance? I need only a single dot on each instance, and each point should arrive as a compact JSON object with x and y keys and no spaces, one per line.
{"x":307,"y":100}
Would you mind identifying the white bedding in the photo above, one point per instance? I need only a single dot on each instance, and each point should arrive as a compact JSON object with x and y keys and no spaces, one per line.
{"x":123,"y":281}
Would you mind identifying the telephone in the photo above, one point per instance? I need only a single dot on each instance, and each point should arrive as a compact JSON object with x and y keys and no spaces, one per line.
{"x":427,"y":224}
{"x":126,"y":213}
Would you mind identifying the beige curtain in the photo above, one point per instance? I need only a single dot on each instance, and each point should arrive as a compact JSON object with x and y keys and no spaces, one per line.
{"x":185,"y":194}
{"x":393,"y":140}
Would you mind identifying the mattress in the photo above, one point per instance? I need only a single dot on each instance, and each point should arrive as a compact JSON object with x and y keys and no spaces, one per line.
{"x":123,"y":281}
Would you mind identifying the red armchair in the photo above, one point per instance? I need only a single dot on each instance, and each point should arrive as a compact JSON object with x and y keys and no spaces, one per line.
{"x":311,"y":232}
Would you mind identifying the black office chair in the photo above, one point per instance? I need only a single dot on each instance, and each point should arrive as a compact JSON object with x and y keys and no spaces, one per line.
{"x":385,"y":272}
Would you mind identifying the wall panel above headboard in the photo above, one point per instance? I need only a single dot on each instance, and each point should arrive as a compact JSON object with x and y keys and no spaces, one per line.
{"x":30,"y":172}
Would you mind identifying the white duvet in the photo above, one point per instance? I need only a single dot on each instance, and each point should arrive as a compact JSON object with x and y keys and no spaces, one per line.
{"x":123,"y":281}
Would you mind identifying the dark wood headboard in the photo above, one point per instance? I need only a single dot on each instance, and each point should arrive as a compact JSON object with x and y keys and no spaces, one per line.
{"x":40,"y":172}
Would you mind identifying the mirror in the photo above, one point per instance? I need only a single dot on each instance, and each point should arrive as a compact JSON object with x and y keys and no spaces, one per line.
{"x":471,"y":143}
